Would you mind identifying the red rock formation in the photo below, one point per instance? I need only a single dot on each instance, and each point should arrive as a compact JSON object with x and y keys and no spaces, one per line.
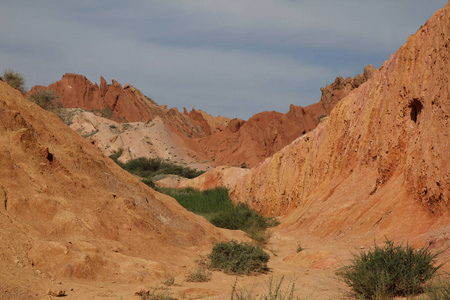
{"x":380,"y":164}
{"x":250,"y":142}
{"x":214,"y":139}
{"x":333,"y":93}
{"x":75,"y":213}
{"x":121,"y":104}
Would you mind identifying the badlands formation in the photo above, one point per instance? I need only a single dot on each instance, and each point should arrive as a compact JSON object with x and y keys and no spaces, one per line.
{"x":377,"y":167}
{"x":142,"y":128}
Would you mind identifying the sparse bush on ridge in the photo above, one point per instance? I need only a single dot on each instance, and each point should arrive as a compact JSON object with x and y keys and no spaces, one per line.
{"x":390,"y":271}
{"x":15,"y":80}
{"x":45,"y":99}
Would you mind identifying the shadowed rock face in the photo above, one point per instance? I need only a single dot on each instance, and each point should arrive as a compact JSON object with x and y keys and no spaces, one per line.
{"x":80,"y":215}
{"x":380,"y":164}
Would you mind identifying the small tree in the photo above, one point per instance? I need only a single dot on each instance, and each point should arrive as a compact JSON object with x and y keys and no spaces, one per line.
{"x":15,"y":80}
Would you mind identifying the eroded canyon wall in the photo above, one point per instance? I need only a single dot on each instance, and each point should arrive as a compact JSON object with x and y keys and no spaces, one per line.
{"x":380,"y":163}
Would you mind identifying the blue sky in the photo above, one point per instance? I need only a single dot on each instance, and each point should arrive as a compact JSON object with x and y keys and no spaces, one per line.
{"x":233,"y":58}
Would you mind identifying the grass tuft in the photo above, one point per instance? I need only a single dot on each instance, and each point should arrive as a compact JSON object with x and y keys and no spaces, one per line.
{"x":437,"y":289}
{"x":200,"y":274}
{"x":276,"y":291}
{"x":238,"y":258}
{"x":390,"y":271}
{"x":168,"y":280}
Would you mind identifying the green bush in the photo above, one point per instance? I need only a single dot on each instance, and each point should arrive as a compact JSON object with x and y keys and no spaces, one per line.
{"x":238,"y":258}
{"x":45,"y":99}
{"x":390,"y":271}
{"x":15,"y":80}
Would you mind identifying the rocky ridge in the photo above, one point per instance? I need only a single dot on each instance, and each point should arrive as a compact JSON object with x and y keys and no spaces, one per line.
{"x":204,"y":140}
{"x":333,"y":93}
{"x":126,"y":104}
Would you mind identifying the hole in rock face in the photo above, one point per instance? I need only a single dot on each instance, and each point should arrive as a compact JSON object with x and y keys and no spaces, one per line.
{"x":50,"y":157}
{"x":416,"y":107}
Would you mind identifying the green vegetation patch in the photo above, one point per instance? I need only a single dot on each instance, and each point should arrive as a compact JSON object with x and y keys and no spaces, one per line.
{"x":216,"y":206}
{"x":238,"y":258}
{"x":148,"y":168}
{"x":390,"y":271}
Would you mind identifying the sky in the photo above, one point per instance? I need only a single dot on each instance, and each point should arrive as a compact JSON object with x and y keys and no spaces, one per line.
{"x":231,"y":58}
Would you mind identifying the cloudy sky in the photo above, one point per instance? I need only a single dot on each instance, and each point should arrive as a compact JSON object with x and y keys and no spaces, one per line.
{"x":234,"y":57}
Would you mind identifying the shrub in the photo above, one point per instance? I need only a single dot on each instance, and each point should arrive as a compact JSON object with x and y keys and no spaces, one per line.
{"x":168,"y":280}
{"x":45,"y":99}
{"x":198,"y":275}
{"x":390,"y":271}
{"x":15,"y":80}
{"x":299,"y":248}
{"x":238,"y":258}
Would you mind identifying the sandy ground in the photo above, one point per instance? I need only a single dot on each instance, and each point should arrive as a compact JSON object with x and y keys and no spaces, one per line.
{"x":312,"y":271}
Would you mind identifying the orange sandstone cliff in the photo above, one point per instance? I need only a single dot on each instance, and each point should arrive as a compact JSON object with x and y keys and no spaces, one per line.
{"x":380,"y":165}
{"x":67,"y":211}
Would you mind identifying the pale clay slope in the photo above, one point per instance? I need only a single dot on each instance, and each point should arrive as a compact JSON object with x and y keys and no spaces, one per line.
{"x":137,"y":139}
